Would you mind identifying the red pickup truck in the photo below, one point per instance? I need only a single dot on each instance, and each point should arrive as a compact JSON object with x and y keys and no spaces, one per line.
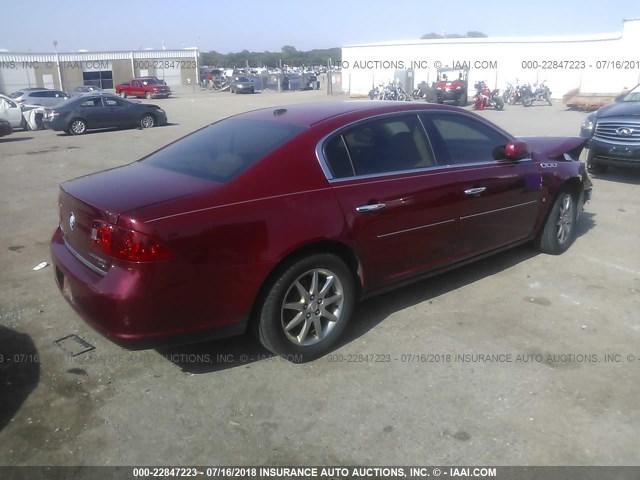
{"x":148,"y":87}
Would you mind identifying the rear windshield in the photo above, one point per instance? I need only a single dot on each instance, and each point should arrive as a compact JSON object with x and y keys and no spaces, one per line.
{"x":223,"y":150}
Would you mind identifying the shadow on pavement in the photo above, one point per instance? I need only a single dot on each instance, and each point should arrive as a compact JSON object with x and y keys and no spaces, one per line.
{"x":19,"y":372}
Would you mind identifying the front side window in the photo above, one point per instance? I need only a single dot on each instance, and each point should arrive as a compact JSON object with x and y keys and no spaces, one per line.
{"x":114,"y":102}
{"x":383,"y":145}
{"x":633,"y":95}
{"x":459,"y":139}
{"x":224,"y":149}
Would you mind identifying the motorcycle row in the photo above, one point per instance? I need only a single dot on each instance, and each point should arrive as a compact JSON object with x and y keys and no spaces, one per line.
{"x":525,"y":94}
{"x":390,"y":91}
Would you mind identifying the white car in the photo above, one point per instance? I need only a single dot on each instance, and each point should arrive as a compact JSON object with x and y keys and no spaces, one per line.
{"x":11,"y":112}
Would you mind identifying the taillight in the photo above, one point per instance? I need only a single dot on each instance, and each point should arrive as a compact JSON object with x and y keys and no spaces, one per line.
{"x":127,"y":244}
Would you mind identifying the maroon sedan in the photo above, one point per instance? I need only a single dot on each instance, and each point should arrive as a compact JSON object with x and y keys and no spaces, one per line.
{"x":279,"y":220}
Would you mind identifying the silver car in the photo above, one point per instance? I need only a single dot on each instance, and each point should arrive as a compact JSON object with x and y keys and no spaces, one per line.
{"x":84,"y":90}
{"x":43,"y":97}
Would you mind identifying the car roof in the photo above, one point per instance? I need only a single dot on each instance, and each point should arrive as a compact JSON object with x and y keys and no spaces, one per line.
{"x":83,"y":98}
{"x":31,"y":89}
{"x":307,"y":114}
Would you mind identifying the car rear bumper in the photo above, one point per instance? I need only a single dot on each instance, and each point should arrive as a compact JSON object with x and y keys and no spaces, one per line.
{"x":135,"y":307}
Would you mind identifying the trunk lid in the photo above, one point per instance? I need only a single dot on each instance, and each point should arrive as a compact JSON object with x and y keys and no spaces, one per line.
{"x":104,"y":196}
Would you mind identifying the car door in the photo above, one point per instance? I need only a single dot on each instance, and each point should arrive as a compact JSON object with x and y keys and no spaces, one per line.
{"x":499,"y":199}
{"x":94,"y":112}
{"x":119,"y":112}
{"x":11,"y":112}
{"x":136,"y":88}
{"x":399,"y":208}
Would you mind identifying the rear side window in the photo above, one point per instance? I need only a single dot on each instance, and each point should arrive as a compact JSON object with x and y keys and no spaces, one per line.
{"x":383,"y":145}
{"x":223,"y":150}
{"x":92,"y":102}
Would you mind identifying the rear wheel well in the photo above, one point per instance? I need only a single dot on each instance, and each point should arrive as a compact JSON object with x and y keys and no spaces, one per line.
{"x":345,"y":253}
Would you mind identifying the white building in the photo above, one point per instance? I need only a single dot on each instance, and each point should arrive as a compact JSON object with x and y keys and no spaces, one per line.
{"x":65,"y":71}
{"x":603,"y":63}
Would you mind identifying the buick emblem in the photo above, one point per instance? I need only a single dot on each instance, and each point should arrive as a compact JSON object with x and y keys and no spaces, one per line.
{"x":72,"y":221}
{"x":624,"y":131}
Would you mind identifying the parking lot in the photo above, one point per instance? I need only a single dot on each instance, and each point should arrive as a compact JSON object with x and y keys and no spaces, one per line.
{"x":411,"y":384}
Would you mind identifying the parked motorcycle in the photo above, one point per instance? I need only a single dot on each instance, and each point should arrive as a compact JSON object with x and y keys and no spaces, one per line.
{"x":486,"y":98}
{"x":513,"y":93}
{"x":391,"y":91}
{"x":421,"y":91}
{"x":541,"y":93}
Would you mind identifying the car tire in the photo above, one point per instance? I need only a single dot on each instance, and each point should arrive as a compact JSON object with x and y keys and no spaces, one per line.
{"x":294,"y":307}
{"x":147,"y":121}
{"x":77,"y":126}
{"x":148,"y":96}
{"x":558,"y":231}
{"x":123,"y":94}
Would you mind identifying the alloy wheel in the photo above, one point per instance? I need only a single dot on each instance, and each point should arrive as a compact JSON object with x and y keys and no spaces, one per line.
{"x":565,"y":218}
{"x":312,"y":307}
{"x":147,"y":121}
{"x":78,"y":127}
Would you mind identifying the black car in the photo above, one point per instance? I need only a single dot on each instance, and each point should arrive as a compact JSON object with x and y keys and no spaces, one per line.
{"x":614,"y":133}
{"x":5,"y":128}
{"x":241,"y":85}
{"x":91,"y":111}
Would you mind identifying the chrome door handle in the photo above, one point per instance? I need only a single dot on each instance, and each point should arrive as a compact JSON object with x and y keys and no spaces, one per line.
{"x":475,"y":191}
{"x":370,"y":208}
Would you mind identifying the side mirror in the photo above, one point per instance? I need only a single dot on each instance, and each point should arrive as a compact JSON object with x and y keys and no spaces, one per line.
{"x":516,"y":150}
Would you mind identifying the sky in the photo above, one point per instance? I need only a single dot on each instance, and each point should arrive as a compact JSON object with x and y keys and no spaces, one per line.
{"x":236,"y":25}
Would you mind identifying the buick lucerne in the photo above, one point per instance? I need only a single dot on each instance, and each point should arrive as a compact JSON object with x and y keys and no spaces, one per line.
{"x":280,"y":220}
